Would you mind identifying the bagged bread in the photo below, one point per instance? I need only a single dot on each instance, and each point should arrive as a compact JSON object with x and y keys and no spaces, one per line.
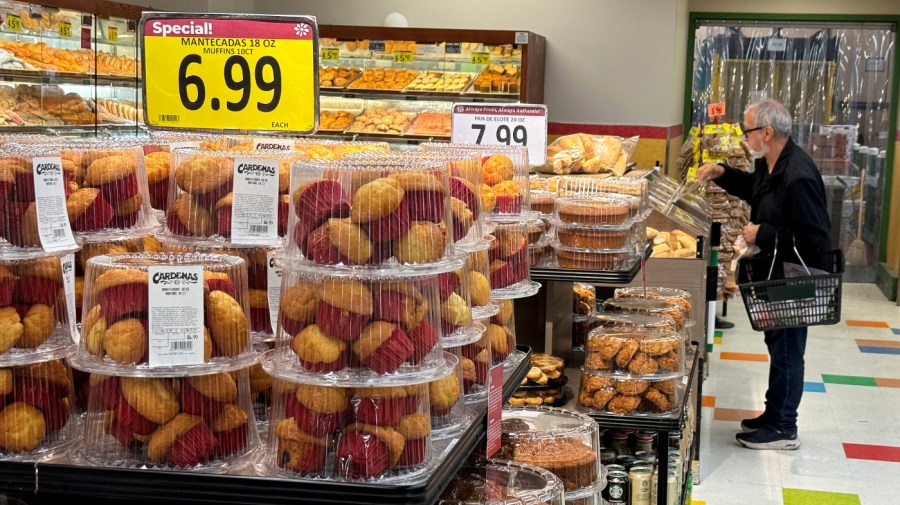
{"x":588,"y":154}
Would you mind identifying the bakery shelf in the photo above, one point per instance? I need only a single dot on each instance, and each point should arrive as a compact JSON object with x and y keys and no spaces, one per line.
{"x":551,"y":273}
{"x":55,"y":482}
{"x":45,"y":77}
{"x":418,"y":95}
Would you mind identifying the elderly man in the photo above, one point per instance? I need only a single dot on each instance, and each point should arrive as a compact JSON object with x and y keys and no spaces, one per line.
{"x":787,"y":199}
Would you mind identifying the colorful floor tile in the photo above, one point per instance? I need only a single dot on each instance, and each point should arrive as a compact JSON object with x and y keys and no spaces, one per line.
{"x":723,"y":414}
{"x":744,"y":356}
{"x":887,"y":383}
{"x":708,"y":401}
{"x":872,"y":452}
{"x":864,"y":342}
{"x":896,"y":331}
{"x":806,"y":497}
{"x":848,"y":380}
{"x":814,"y":387}
{"x":867,"y":324}
{"x":878,"y":350}
{"x":717,"y":340}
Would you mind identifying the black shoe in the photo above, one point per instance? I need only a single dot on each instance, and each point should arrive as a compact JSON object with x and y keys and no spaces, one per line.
{"x":768,"y":437}
{"x":722,"y":324}
{"x":753,"y":424}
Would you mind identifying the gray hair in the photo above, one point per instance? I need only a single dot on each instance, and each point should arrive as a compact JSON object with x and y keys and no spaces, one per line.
{"x":772,"y":113}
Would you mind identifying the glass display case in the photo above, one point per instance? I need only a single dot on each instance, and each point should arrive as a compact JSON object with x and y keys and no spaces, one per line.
{"x":67,"y":71}
{"x":401,"y":83}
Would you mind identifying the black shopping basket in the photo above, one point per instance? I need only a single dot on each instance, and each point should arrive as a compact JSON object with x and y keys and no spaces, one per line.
{"x":809,"y":300}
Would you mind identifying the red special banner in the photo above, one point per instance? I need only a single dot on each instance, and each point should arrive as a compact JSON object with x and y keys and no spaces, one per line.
{"x":227,"y":28}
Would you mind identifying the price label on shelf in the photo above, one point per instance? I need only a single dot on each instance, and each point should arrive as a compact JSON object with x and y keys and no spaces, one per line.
{"x":253,"y":73}
{"x":403,"y":57}
{"x":522,"y":125}
{"x":112,"y":34}
{"x":65,"y":29}
{"x":715,"y":109}
{"x":13,"y":23}
{"x":481,"y":58}
{"x":494,"y":409}
{"x":331,"y":54}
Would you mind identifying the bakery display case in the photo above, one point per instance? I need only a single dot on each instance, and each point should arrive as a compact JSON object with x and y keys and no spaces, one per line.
{"x":400,"y":83}
{"x":67,"y":71}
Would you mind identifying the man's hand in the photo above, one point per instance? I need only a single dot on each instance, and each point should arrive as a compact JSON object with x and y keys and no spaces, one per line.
{"x":710,"y":172}
{"x":750,"y":233}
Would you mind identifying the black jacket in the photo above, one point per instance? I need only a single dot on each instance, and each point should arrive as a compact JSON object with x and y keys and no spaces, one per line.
{"x":788,"y":203}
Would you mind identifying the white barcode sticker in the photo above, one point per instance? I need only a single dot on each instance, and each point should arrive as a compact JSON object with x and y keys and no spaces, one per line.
{"x":273,"y":284}
{"x":176,"y":315}
{"x":273,"y":144}
{"x":67,"y":264}
{"x":254,"y":207}
{"x":54,"y":230}
{"x":184,"y":144}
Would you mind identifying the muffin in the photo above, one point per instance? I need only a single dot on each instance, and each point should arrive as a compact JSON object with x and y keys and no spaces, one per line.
{"x":40,"y":281}
{"x":444,"y":395}
{"x":424,"y":337}
{"x":592,"y":211}
{"x":318,"y":352}
{"x":318,"y":200}
{"x":230,"y":429}
{"x":317,"y":410}
{"x":423,"y":195}
{"x":185,"y":441}
{"x":187,"y":217}
{"x":339,"y":241}
{"x":496,"y":169}
{"x":379,"y":207}
{"x":400,"y":303}
{"x":509,"y":197}
{"x":298,"y":307}
{"x":88,"y":210}
{"x":365,"y":451}
{"x":424,"y":243}
{"x":120,"y":292}
{"x":383,"y":347}
{"x":158,"y":165}
{"x":115,"y":177}
{"x":416,"y":431}
{"x":11,"y":328}
{"x":223,"y":215}
{"x":228,"y":325}
{"x":297,"y":450}
{"x":259,"y":311}
{"x":344,"y":309}
{"x":207,"y":178}
{"x":385,"y":406}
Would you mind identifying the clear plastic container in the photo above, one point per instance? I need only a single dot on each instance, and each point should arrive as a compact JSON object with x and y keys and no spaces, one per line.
{"x":660,"y":307}
{"x":595,"y":237}
{"x":563,"y":442}
{"x":259,"y":268}
{"x":501,"y":332}
{"x":539,"y":253}
{"x":475,"y":360}
{"x":504,"y":176}
{"x":458,"y":326}
{"x":477,"y":270}
{"x":543,"y":202}
{"x":596,"y":210}
{"x":90,"y":249}
{"x":335,"y":150}
{"x":209,"y":188}
{"x":599,"y":392}
{"x":581,"y":327}
{"x":35,"y":314}
{"x":585,"y":298}
{"x":635,"y":322}
{"x":595,"y":259}
{"x":449,"y":415}
{"x":261,"y":389}
{"x":159,"y":168}
{"x":629,"y":186}
{"x":36,"y":418}
{"x":347,"y":329}
{"x":201,"y":423}
{"x":371,"y":216}
{"x":635,"y":353}
{"x":536,"y":230}
{"x":509,"y":272}
{"x":484,"y":482}
{"x":674,"y":296}
{"x":196,"y":305}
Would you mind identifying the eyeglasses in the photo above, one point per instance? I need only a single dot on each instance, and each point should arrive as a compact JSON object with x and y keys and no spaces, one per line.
{"x":751,"y":130}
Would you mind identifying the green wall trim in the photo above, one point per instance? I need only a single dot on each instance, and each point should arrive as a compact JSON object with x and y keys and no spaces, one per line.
{"x":895,"y":86}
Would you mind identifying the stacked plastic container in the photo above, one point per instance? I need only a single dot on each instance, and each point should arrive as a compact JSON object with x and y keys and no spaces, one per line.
{"x":635,"y":360}
{"x":371,"y":285}
{"x":166,"y":343}
{"x":493,"y":482}
{"x":37,"y":305}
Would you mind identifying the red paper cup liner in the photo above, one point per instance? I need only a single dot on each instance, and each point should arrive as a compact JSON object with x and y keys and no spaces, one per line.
{"x":320,"y":200}
{"x":32,"y":290}
{"x":361,"y":456}
{"x":5,"y":188}
{"x":449,"y":284}
{"x":192,"y":448}
{"x":259,"y":320}
{"x":292,"y":326}
{"x":96,"y":217}
{"x":311,"y":457}
{"x":424,"y":338}
{"x":257,"y":276}
{"x":223,"y":223}
{"x":116,"y":192}
{"x":210,"y":198}
{"x":126,"y":221}
{"x":509,"y":204}
{"x":196,"y":403}
{"x":381,"y":252}
{"x":481,"y":372}
{"x":338,"y":323}
{"x":301,"y":236}
{"x":117,"y":301}
{"x":468,"y":384}
{"x":459,"y":189}
{"x":284,"y":209}
{"x":390,"y":354}
{"x":503,"y":275}
{"x":425,"y":205}
{"x":333,"y":366}
{"x":231,"y":441}
{"x":176,"y":226}
{"x":321,"y":250}
{"x":315,"y":423}
{"x":122,"y":434}
{"x":12,"y":232}
{"x":441,"y":412}
{"x":110,"y":393}
{"x":381,"y":411}
{"x":159,"y":194}
{"x":23,"y":191}
{"x":223,"y":285}
{"x":413,"y":452}
{"x":129,"y":418}
{"x":391,"y":226}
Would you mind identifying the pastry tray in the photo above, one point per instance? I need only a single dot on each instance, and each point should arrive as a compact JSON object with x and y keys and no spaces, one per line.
{"x":549,"y":385}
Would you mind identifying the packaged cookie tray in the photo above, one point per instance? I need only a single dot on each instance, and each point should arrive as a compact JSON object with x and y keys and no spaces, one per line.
{"x":600,"y":393}
{"x":352,"y":329}
{"x":504,"y":172}
{"x":674,"y":296}
{"x":260,"y":268}
{"x":552,"y":397}
{"x":383,"y":121}
{"x":635,"y":353}
{"x":200,"y":423}
{"x":563,"y":442}
{"x":466,"y":216}
{"x":230,"y":197}
{"x":372,"y":434}
{"x":599,"y":237}
{"x":596,"y":210}
{"x":369,"y":216}
{"x":436,"y":81}
{"x":37,"y":309}
{"x":195,"y":305}
{"x":37,"y":412}
{"x":509,"y":267}
{"x":498,"y":482}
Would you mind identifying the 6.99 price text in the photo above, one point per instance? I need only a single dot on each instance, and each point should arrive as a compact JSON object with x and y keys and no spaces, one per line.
{"x":266,"y":76}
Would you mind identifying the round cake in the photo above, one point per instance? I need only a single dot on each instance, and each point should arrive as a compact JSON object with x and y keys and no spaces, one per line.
{"x":593,"y":238}
{"x":592,"y":212}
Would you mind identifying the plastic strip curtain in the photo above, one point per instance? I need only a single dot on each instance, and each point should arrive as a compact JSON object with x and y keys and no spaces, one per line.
{"x":835,"y":79}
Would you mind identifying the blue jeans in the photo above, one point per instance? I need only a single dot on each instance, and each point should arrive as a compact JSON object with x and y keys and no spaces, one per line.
{"x":786,"y":348}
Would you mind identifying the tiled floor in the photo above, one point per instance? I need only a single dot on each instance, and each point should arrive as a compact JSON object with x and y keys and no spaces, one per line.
{"x":849,"y":418}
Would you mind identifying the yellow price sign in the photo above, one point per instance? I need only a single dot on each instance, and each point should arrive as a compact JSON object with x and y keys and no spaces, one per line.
{"x":403,"y":57}
{"x":112,"y":34}
{"x":65,"y":29}
{"x":221,"y":71}
{"x":13,"y":23}
{"x":331,"y":54}
{"x":481,"y":58}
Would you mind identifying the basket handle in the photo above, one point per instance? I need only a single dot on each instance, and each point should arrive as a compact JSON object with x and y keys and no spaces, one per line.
{"x":775,"y":256}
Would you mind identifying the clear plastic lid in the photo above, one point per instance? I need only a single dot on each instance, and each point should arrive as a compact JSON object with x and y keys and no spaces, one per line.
{"x":36,"y":309}
{"x":164,"y":313}
{"x":563,"y":442}
{"x":635,"y":321}
{"x":37,"y":415}
{"x":358,"y":330}
{"x":368,"y":215}
{"x":203,"y":423}
{"x":675,"y":296}
{"x":657,"y":306}
{"x":208,"y":189}
{"x":595,"y":259}
{"x":376,"y":435}
{"x":335,"y":150}
{"x":509,"y":271}
{"x":630,"y":186}
{"x":635,"y":353}
{"x":539,"y":253}
{"x":504,"y":175}
{"x":449,"y":415}
{"x":597,"y":237}
{"x":475,"y":360}
{"x":600,"y":393}
{"x":596,"y":210}
{"x":483,"y":482}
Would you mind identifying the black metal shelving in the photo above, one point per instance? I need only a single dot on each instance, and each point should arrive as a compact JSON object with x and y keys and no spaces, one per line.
{"x":559,"y":274}
{"x":51,"y":483}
